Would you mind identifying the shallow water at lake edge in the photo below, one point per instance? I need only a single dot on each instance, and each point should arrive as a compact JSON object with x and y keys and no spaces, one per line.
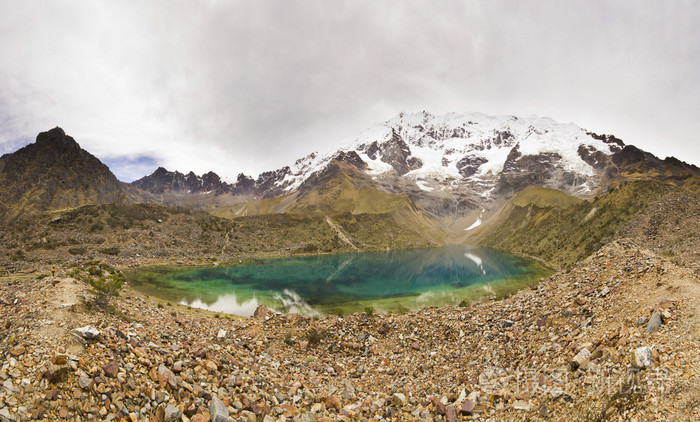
{"x":388,"y":281}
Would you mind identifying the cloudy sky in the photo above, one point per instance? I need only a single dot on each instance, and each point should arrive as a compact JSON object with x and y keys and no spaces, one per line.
{"x":248,"y":86}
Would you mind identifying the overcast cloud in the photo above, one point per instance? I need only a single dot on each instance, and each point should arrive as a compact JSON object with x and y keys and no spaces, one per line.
{"x":249,"y":86}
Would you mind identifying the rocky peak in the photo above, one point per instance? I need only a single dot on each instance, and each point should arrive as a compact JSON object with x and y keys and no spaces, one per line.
{"x":54,"y":172}
{"x":244,"y":185}
{"x":55,"y":143}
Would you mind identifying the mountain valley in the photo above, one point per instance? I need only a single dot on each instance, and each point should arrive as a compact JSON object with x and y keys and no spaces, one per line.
{"x":612,"y":334}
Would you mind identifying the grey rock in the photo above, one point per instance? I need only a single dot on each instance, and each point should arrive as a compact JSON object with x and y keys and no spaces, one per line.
{"x":87,"y":332}
{"x":168,"y":375}
{"x":10,"y":387}
{"x":218,"y":410}
{"x":654,"y":323}
{"x":641,"y":321}
{"x":172,"y":413}
{"x":6,"y":416}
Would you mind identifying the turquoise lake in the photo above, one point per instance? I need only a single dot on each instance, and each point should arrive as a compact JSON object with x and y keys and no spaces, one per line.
{"x":390,"y":281}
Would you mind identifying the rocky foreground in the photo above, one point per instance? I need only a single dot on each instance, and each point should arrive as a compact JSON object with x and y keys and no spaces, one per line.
{"x":615,"y":338}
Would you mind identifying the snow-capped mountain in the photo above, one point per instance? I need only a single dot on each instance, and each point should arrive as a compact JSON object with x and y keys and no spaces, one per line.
{"x":469,"y":157}
{"x":469,"y":148}
{"x":455,"y":161}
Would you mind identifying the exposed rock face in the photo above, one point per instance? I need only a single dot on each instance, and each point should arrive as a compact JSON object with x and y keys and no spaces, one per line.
{"x":521,"y":171}
{"x":54,"y":172}
{"x":469,"y":165}
{"x":593,"y":157}
{"x":394,"y":152}
{"x":351,"y":158}
{"x":268,"y":183}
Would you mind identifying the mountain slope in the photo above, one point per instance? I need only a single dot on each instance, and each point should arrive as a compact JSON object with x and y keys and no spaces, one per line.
{"x":341,"y":188}
{"x":561,"y":230}
{"x":54,"y":173}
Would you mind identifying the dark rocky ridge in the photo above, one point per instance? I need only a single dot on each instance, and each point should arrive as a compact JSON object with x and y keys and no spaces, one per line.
{"x":162,"y":180}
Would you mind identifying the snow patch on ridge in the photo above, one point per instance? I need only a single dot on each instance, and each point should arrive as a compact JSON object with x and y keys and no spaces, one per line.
{"x":477,"y":223}
{"x":424,"y":186}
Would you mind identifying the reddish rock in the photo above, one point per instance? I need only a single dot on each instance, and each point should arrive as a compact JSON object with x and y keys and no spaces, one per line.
{"x":467,"y":407}
{"x":289,"y":410}
{"x":111,"y":369}
{"x":441,"y":408}
{"x":451,"y":414}
{"x":55,"y":373}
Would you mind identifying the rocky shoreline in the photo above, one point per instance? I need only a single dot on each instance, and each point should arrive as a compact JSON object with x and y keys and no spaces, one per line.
{"x":614,"y":338}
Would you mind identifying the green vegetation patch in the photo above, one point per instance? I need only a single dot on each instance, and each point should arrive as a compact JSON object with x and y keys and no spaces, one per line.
{"x":106,"y":282}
